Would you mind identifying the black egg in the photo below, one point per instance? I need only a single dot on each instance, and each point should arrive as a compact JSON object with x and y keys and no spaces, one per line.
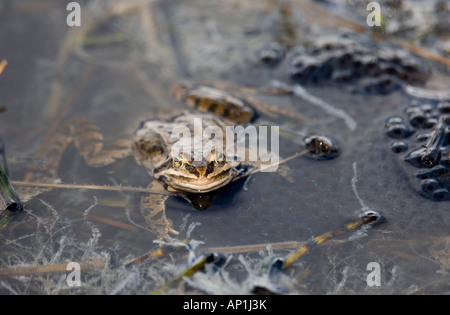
{"x":302,"y":61}
{"x":426,"y":108}
{"x":332,"y":61}
{"x":270,"y":54}
{"x":410,"y":65}
{"x":346,"y":59}
{"x":311,"y":68}
{"x":441,"y":194}
{"x":392,"y":69}
{"x":413,"y":108}
{"x":384,"y":84}
{"x":417,"y":119}
{"x":297,"y":61}
{"x":434,"y":114}
{"x":414,"y":102}
{"x":341,"y":75}
{"x":393,"y":120}
{"x":430,"y":123}
{"x":398,"y":131}
{"x":438,"y":170}
{"x":423,"y":136}
{"x":444,"y":107}
{"x":446,"y":136}
{"x":423,"y":174}
{"x":370,"y":66}
{"x":297,"y":74}
{"x":399,"y":147}
{"x":429,"y":185}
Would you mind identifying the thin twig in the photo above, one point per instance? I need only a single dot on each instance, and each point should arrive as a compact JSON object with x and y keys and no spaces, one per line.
{"x":91,"y":187}
{"x":420,"y":51}
{"x":259,"y":169}
{"x":240,"y":249}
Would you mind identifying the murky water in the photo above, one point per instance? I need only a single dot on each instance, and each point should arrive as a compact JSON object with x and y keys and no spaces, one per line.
{"x":117,"y":68}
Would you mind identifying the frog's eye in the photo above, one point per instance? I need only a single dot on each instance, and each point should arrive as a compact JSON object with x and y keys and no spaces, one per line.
{"x":178,"y":162}
{"x":219,"y":158}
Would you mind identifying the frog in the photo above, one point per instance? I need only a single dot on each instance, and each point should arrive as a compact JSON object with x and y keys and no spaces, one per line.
{"x":185,"y":174}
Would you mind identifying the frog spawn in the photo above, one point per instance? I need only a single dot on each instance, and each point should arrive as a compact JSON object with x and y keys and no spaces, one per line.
{"x":422,"y":141}
{"x":271,"y":54}
{"x":370,"y":68}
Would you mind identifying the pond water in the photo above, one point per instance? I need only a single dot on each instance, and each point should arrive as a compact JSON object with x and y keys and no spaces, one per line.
{"x":116,"y":69}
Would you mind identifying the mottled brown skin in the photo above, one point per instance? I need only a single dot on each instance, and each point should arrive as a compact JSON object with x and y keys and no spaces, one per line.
{"x":153,"y":149}
{"x":209,"y":99}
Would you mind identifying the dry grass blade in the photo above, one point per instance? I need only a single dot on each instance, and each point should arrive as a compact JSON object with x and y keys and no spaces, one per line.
{"x":420,"y":51}
{"x":95,"y":264}
{"x":240,"y":249}
{"x":161,"y":251}
{"x":46,"y":269}
{"x":404,"y":255}
{"x":91,"y":187}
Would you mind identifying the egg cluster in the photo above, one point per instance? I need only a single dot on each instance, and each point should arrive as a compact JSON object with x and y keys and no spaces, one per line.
{"x":370,"y":68}
{"x":422,"y":139}
{"x":373,"y":69}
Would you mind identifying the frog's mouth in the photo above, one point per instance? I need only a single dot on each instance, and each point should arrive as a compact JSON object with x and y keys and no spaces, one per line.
{"x":194,"y":183}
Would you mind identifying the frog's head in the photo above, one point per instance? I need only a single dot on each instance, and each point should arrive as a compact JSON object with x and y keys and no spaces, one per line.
{"x":198,"y":175}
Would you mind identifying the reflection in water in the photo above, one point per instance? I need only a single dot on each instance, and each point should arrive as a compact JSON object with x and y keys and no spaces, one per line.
{"x":200,"y":201}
